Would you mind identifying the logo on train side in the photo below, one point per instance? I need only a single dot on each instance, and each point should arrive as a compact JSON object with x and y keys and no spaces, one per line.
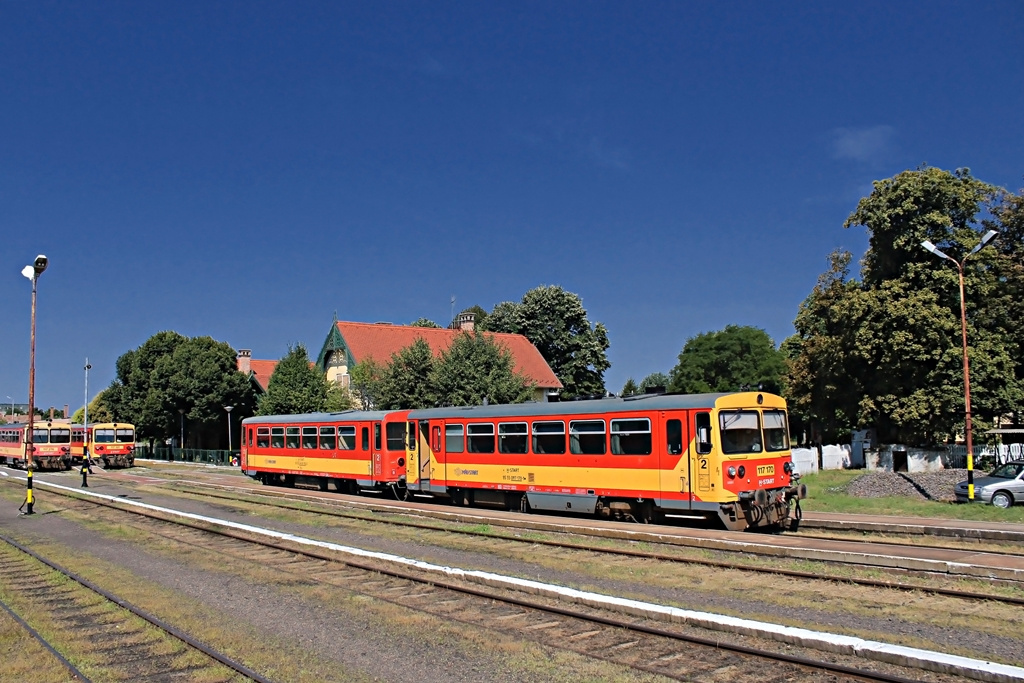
{"x":467,"y":473}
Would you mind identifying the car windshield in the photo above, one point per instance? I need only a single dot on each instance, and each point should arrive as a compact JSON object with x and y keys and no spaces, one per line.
{"x":1010,"y":470}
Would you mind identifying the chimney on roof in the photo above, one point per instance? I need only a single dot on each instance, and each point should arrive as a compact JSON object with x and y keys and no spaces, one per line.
{"x":244,"y":358}
{"x":66,"y":409}
{"x":465,"y":322}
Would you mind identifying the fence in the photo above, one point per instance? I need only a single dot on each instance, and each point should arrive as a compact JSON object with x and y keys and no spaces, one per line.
{"x":984,"y":456}
{"x":189,"y":455}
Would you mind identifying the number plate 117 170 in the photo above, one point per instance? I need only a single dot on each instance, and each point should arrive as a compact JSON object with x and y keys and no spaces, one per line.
{"x":765,"y":470}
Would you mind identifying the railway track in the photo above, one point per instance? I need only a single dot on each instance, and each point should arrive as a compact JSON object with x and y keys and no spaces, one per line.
{"x":629,"y":552}
{"x":640,"y":644}
{"x":116,"y":640}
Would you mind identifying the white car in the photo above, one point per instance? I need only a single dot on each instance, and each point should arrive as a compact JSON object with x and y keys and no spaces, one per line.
{"x":1002,"y":487}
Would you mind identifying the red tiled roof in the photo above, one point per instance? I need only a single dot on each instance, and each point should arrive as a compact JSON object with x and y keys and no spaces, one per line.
{"x":379,"y":342}
{"x":262,"y":370}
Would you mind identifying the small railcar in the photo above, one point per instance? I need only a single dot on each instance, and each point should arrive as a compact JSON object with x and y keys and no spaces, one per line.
{"x":356,"y":450}
{"x":53,"y":444}
{"x":113,"y":443}
{"x":641,"y":458}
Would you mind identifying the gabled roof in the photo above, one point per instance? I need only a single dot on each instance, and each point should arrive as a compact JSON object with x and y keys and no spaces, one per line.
{"x":380,"y":341}
{"x":261,"y":370}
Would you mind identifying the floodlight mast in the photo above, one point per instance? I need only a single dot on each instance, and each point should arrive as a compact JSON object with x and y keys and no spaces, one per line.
{"x":986,"y":238}
{"x":32,"y":273}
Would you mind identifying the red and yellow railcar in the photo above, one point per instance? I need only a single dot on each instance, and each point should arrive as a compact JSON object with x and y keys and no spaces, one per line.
{"x":356,"y":450}
{"x":645,"y":457}
{"x":53,"y":442}
{"x":113,"y":443}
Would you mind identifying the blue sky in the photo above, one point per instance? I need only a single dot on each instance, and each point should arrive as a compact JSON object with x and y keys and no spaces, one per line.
{"x":244,"y":170}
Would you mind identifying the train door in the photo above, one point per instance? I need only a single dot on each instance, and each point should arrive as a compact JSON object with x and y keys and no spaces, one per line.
{"x":412,"y":459}
{"x":675,"y":467}
{"x":426,"y":457}
{"x":700,"y":457}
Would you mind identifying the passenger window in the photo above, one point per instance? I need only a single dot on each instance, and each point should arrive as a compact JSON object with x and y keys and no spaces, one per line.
{"x":309,"y":437}
{"x":631,"y":437}
{"x":277,"y":437}
{"x":549,"y":437}
{"x":587,"y":437}
{"x":480,"y":438}
{"x":376,"y":436}
{"x":347,"y":438}
{"x":454,"y":438}
{"x":674,"y":437}
{"x":365,"y":432}
{"x":512,"y":437}
{"x":250,"y":437}
{"x":412,"y":436}
{"x":291,"y":437}
{"x":263,"y":437}
{"x":703,"y":424}
{"x":328,"y":439}
{"x":396,"y":436}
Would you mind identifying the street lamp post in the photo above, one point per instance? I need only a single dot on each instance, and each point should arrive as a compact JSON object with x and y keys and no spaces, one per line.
{"x":85,"y":413}
{"x":229,"y":409}
{"x":12,"y":405}
{"x":963,"y":329}
{"x":32,"y":273}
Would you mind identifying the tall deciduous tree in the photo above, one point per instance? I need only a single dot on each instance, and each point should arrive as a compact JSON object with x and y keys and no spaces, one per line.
{"x":406,"y":380}
{"x":556,"y":322}
{"x":99,"y":411}
{"x":732,"y":359}
{"x":295,"y":387}
{"x":653,"y":380}
{"x":885,"y":352}
{"x":171,"y":373}
{"x":423,"y":322}
{"x":474,"y":368}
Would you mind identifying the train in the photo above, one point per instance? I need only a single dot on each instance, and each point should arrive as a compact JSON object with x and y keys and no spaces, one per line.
{"x":60,"y":446}
{"x":722,"y":457}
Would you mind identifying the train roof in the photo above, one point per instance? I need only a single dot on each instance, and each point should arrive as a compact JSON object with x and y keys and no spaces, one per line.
{"x":628,"y":404}
{"x":343,"y":416}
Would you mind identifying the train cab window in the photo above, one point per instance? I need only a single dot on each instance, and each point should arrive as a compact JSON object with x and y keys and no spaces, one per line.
{"x":328,"y":439}
{"x":549,"y":437}
{"x":674,"y":437}
{"x":103,"y":435}
{"x":125,"y":435}
{"x":262,"y":437}
{"x":587,"y":437}
{"x":703,"y":423}
{"x":396,"y":436}
{"x":454,"y":438}
{"x":740,"y":431}
{"x":480,"y":438}
{"x":291,"y":437}
{"x":347,"y":437}
{"x":631,"y":437}
{"x":43,"y":435}
{"x":376,"y":436}
{"x":277,"y":437}
{"x":309,"y":437}
{"x":513,"y":437}
{"x":776,"y":434}
{"x":365,"y":431}
{"x":60,"y":436}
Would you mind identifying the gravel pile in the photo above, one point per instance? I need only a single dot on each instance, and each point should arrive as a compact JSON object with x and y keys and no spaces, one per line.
{"x":929,"y":485}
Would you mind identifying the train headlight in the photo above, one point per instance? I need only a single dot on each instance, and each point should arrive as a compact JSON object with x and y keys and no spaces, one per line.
{"x":401,"y":462}
{"x":743,"y":471}
{"x":732,"y":472}
{"x":787,"y":467}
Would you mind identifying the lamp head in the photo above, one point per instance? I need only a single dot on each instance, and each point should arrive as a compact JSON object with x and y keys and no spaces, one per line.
{"x":40,"y":265}
{"x":29,"y":272}
{"x":927,"y":244}
{"x":986,"y":238}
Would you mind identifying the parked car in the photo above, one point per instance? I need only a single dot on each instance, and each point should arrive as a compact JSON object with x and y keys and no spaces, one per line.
{"x":1002,"y":487}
